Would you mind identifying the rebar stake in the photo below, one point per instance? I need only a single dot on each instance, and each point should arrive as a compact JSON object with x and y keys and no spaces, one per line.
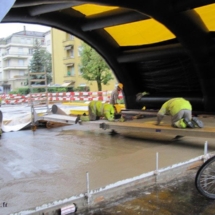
{"x":205,"y":151}
{"x":156,"y":168}
{"x":88,"y":189}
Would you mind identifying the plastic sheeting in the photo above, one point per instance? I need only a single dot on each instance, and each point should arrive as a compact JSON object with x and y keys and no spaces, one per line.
{"x":16,"y":123}
{"x":16,"y":118}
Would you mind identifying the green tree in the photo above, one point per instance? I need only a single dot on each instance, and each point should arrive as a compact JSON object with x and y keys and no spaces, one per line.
{"x":93,"y":67}
{"x":41,"y":62}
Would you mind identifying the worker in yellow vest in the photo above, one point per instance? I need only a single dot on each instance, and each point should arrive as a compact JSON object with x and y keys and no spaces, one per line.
{"x":115,"y":94}
{"x":180,"y":111}
{"x":98,"y":110}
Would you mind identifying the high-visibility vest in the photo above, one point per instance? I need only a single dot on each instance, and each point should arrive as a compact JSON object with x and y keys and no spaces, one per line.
{"x":173,"y":106}
{"x":102,"y":109}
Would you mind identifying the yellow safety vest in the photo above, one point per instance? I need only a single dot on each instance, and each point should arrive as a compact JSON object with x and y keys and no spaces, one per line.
{"x":173,"y":106}
{"x":102,"y":109}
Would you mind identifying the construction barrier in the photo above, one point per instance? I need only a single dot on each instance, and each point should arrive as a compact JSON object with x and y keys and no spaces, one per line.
{"x":58,"y":97}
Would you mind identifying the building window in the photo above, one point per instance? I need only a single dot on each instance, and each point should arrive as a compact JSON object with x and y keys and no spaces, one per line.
{"x":48,"y":42}
{"x":21,"y":72}
{"x":70,"y":53}
{"x":30,"y":51}
{"x":28,"y":41}
{"x":20,"y":50}
{"x":71,"y":37}
{"x":23,"y":40}
{"x":21,"y":62}
{"x":79,"y":70}
{"x":80,"y":48}
{"x":71,"y":70}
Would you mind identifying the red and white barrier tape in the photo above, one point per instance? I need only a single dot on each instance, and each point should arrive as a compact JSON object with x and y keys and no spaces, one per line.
{"x":69,"y":96}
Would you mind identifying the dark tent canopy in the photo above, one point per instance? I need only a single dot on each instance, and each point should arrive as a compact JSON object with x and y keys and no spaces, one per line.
{"x":164,"y":47}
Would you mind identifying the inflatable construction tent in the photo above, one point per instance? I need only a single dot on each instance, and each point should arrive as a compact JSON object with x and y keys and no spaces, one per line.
{"x":163,"y":47}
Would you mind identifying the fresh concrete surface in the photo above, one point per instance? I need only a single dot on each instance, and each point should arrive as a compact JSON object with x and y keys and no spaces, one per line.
{"x":51,"y":164}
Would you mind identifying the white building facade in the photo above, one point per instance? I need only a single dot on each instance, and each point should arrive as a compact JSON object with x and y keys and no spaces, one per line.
{"x":16,"y":52}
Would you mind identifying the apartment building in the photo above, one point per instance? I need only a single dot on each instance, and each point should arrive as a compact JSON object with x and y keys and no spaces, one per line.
{"x":66,"y":59}
{"x":16,"y":52}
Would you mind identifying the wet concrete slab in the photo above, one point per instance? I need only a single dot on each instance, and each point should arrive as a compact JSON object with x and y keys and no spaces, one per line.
{"x":40,"y":167}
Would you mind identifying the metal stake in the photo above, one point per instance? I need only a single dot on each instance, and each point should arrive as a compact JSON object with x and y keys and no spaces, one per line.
{"x":205,"y":150}
{"x":156,"y":168}
{"x":88,"y":188}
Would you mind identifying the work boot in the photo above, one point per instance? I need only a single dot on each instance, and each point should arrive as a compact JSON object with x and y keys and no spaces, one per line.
{"x":197,"y":123}
{"x":189,"y":123}
{"x":77,"y":119}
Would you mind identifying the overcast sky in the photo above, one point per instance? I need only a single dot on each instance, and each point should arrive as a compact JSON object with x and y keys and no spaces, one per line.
{"x":8,"y":29}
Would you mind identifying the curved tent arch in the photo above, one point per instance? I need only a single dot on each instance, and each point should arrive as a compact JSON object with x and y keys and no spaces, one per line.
{"x":180,"y":48}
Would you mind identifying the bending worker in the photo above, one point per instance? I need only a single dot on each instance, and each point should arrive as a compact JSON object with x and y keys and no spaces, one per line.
{"x":180,"y":111}
{"x":115,"y":94}
{"x":98,"y":110}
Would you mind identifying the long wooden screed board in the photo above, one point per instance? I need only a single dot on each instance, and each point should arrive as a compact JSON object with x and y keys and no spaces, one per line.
{"x":148,"y":125}
{"x":143,"y":125}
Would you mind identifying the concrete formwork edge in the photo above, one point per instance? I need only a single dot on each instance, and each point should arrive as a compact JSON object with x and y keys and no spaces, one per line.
{"x":117,"y":190}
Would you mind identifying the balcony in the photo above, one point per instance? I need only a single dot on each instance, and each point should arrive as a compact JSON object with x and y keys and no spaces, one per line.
{"x":69,"y":75}
{"x":69,"y":61}
{"x":68,"y":43}
{"x":15,"y":55}
{"x":4,"y":81}
{"x":20,"y":77}
{"x":69,"y":79}
{"x":19,"y":43}
{"x":15,"y":67}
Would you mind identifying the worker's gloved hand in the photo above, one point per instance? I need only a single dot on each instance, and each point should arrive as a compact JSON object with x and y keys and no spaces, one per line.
{"x":113,"y":120}
{"x":122,"y":119}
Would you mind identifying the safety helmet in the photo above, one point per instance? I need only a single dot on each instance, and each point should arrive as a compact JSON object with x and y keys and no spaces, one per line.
{"x":120,"y":85}
{"x":117,"y":108}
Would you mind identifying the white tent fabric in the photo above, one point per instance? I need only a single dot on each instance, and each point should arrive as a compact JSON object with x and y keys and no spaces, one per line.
{"x":16,"y":123}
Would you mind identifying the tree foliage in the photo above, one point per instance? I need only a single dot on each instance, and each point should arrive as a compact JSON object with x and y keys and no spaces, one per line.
{"x":93,"y":67}
{"x":41,"y":62}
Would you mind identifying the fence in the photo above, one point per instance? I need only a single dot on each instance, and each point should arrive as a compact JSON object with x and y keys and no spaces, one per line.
{"x":58,"y":97}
